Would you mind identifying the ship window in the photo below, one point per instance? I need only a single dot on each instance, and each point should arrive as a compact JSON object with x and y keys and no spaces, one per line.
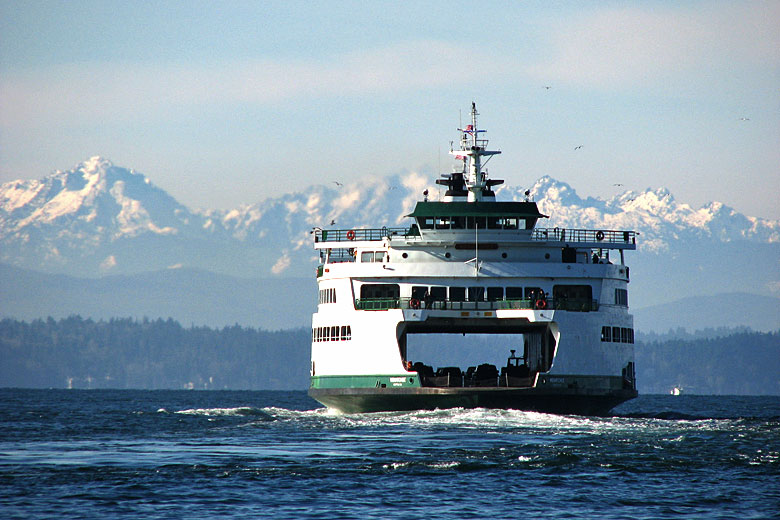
{"x":510,"y":223}
{"x":379,"y":256}
{"x":425,"y":222}
{"x":606,"y":333}
{"x":514,"y":293}
{"x":458,"y":222}
{"x":621,"y":297}
{"x":476,"y":294}
{"x":573,"y":292}
{"x":334,"y":333}
{"x":438,"y":293}
{"x":418,"y":292}
{"x":624,"y":335}
{"x":494,"y":223}
{"x":532,"y":292}
{"x":380,"y":290}
{"x":442,"y":222}
{"x":343,"y":332}
{"x":495,"y":294}
{"x":476,"y":222}
{"x":616,"y":334}
{"x":367,"y":256}
{"x":457,"y":294}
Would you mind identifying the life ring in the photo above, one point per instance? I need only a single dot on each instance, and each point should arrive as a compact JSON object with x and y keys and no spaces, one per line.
{"x":599,"y":235}
{"x":351,"y":234}
{"x":540,"y":304}
{"x":414,"y":303}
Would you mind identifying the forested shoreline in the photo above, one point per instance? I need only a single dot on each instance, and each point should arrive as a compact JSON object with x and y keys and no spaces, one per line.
{"x":162,"y":354}
{"x":150,"y":354}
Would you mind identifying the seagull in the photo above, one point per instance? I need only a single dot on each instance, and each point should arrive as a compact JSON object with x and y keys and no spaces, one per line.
{"x":578,"y":147}
{"x":744,"y":119}
{"x":332,"y":222}
{"x":617,"y":184}
{"x":337,"y":183}
{"x":546,"y":87}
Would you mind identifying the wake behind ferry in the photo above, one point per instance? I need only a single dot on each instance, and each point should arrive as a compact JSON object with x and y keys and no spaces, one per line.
{"x":470,"y":265}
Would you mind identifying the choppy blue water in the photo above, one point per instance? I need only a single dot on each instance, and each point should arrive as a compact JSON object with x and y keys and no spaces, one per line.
{"x":179,"y":454}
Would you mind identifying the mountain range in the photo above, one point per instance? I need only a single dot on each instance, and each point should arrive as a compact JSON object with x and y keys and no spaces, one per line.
{"x":101,"y":221}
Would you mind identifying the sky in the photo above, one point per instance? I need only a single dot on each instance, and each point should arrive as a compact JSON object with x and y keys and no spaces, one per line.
{"x":230,"y":103}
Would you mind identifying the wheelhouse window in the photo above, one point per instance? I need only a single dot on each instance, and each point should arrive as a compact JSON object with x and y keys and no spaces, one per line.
{"x":621,"y":297}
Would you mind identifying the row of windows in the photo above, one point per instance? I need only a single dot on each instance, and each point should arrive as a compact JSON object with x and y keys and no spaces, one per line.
{"x":456,"y":294}
{"x":476,"y":294}
{"x":334,"y":333}
{"x":475,"y":223}
{"x":327,"y":296}
{"x":617,"y":334}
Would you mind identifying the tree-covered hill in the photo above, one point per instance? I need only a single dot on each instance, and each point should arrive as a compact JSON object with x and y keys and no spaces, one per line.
{"x":125,"y":353}
{"x":156,"y":354}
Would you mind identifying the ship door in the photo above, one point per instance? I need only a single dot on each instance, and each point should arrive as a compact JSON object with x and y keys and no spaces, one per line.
{"x":538,"y":350}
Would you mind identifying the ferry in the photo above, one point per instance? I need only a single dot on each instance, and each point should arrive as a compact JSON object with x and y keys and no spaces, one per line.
{"x":470,"y":265}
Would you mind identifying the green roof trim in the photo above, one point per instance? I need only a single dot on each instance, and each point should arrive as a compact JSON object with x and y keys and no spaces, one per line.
{"x":476,"y":209}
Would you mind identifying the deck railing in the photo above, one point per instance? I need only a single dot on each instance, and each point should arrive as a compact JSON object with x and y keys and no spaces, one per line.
{"x":348,"y":235}
{"x":564,"y":304}
{"x":605,"y":236}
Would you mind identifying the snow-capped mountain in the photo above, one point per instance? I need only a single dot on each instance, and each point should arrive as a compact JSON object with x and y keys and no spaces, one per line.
{"x":98,"y":218}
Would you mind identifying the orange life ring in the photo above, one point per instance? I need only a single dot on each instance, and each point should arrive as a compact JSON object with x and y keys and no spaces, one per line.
{"x":540,"y":304}
{"x":414,"y":303}
{"x":351,"y":234}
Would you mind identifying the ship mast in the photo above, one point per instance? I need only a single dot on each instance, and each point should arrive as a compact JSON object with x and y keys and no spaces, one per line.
{"x":472,"y":150}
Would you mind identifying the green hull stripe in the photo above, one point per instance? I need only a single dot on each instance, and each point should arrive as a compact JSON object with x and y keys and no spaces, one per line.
{"x":366,"y":381}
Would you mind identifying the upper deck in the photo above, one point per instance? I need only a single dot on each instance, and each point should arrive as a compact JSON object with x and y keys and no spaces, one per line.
{"x":397,"y":236}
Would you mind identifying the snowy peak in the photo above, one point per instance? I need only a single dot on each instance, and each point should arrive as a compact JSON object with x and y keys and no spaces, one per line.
{"x":95,"y":193}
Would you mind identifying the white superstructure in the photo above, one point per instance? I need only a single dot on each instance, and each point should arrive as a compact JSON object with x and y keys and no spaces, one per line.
{"x":471,"y":265}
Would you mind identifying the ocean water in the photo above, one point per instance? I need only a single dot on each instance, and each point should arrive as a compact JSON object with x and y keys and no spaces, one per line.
{"x":198,"y":454}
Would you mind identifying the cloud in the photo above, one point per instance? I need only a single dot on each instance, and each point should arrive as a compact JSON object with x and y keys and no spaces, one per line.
{"x":282,"y":264}
{"x":135,"y":91}
{"x":633,"y":46}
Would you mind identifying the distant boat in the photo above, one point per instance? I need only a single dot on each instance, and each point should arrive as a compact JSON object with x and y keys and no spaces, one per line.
{"x":676,"y":390}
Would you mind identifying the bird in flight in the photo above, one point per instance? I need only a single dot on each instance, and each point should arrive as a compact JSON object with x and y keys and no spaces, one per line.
{"x":578,"y":147}
{"x":546,"y":87}
{"x":337,"y":183}
{"x":744,"y":119}
{"x":617,"y":184}
{"x":332,"y":222}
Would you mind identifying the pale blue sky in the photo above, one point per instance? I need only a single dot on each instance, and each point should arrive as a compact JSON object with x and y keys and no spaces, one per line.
{"x":224,"y":103}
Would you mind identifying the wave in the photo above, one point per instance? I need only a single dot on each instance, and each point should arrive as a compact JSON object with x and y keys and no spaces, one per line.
{"x":241,"y":411}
